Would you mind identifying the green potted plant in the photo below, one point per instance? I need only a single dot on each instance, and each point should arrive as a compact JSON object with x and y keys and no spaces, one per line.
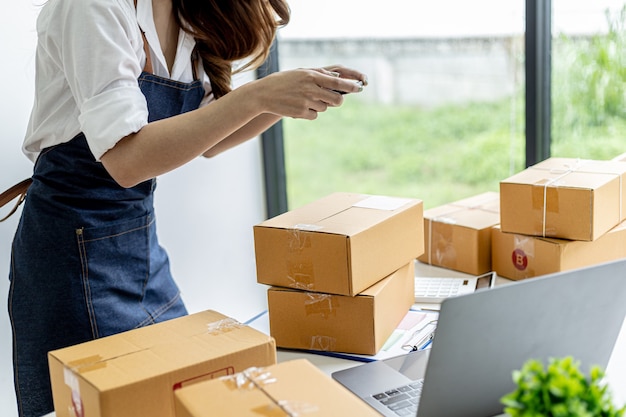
{"x":559,"y":390}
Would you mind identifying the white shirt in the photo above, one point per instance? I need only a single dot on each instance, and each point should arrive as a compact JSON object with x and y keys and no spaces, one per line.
{"x":89,"y":56}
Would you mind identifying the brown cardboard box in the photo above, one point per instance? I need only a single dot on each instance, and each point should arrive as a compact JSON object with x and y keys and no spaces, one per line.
{"x":339,"y":323}
{"x":520,"y":256}
{"x":458,"y":235}
{"x":287,"y":389}
{"x":621,"y":157}
{"x":134,"y":373}
{"x":340,"y":244}
{"x":564,"y":198}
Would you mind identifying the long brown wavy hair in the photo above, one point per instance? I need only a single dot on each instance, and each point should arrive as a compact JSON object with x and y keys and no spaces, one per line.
{"x":227,"y":31}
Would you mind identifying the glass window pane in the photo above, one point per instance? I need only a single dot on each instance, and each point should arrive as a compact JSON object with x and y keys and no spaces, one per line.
{"x":443,"y":116}
{"x":589,"y":78}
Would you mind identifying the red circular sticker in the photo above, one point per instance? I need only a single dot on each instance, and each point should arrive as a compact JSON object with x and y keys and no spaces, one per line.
{"x":520,"y":260}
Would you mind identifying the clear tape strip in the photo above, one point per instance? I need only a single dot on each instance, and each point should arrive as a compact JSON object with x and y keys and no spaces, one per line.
{"x":223,"y":326}
{"x":259,"y":378}
{"x":567,"y":170}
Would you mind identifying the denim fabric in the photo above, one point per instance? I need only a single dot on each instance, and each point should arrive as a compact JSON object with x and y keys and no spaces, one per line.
{"x":86,"y":261}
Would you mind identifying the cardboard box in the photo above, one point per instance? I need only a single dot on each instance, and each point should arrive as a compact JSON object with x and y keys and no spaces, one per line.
{"x":340,"y":244}
{"x":339,"y":323}
{"x":458,"y":235}
{"x":621,"y":157}
{"x":520,"y":256}
{"x":564,"y":198}
{"x":135,"y":373}
{"x":287,"y":389}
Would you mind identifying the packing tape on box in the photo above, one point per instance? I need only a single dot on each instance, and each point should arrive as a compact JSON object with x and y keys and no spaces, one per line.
{"x":320,"y":304}
{"x":444,"y":252}
{"x":300,"y":274}
{"x":568,"y":169}
{"x":255,"y":378}
{"x":325,"y":305}
{"x":562,"y":172}
{"x":447,"y":257}
{"x":70,"y":377}
{"x":323,"y":343}
{"x":76,"y":408}
{"x":300,"y":270}
{"x":223,"y":326}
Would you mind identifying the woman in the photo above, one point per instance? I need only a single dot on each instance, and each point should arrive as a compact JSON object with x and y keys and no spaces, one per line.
{"x":127,"y":91}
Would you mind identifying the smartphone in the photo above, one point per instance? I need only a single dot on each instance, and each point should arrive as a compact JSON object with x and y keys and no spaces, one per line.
{"x":360,"y":83}
{"x":436,"y":289}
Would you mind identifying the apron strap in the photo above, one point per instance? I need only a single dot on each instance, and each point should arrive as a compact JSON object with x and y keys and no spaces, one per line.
{"x":148,"y":66}
{"x":18,"y":190}
{"x":195,"y":58}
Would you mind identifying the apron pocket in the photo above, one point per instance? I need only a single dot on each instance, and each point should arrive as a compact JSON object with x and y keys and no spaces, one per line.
{"x":125,"y":274}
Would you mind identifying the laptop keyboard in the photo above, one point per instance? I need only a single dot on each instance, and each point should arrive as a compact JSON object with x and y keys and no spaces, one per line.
{"x":402,"y":400}
{"x":438,"y":287}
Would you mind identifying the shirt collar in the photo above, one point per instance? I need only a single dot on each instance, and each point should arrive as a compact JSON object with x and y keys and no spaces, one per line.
{"x":185,"y":44}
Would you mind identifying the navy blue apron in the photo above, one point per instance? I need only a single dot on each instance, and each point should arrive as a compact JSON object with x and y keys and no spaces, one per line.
{"x":86,"y":261}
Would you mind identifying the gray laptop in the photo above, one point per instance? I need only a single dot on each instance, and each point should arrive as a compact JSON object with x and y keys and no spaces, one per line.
{"x":482,"y":337}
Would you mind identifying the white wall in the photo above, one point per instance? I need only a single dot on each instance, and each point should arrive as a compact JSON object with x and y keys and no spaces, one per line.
{"x":206,"y":209}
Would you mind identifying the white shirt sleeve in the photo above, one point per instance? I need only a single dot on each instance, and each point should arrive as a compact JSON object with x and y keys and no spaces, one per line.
{"x":101,"y":68}
{"x":89,"y":57}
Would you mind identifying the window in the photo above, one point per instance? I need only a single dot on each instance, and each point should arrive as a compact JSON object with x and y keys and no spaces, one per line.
{"x":442,"y":118}
{"x":588,"y":78}
{"x":454,"y":104}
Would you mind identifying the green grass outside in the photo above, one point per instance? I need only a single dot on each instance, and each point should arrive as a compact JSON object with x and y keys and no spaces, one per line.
{"x":437,"y":155}
{"x":443,"y":154}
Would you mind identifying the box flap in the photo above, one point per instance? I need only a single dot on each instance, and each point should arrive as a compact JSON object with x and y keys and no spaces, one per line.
{"x":477,"y":212}
{"x":567,"y":172}
{"x":341,"y":213}
{"x":155,"y":350}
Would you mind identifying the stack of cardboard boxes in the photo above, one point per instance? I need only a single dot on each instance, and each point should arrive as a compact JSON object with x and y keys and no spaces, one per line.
{"x":204,"y":364}
{"x":560,"y":214}
{"x":136,"y":373}
{"x":341,"y":271}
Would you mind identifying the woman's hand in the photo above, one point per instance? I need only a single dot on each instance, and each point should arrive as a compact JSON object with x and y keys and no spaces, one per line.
{"x":303,"y":93}
{"x":347,"y":73}
{"x":298,"y":94}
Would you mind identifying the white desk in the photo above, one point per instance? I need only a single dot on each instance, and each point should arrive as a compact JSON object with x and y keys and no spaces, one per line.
{"x":615,"y":371}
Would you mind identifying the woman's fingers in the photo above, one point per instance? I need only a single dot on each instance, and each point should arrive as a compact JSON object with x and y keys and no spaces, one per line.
{"x":347,"y":73}
{"x":303,"y":93}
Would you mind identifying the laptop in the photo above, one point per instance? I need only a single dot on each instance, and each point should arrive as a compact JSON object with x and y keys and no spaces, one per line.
{"x":483,"y":336}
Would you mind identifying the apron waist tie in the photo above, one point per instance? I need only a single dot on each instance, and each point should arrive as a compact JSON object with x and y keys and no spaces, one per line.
{"x":18,"y":190}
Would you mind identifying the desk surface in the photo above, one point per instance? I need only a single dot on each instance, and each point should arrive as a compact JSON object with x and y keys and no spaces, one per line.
{"x":615,"y":371}
{"x":615,"y":374}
